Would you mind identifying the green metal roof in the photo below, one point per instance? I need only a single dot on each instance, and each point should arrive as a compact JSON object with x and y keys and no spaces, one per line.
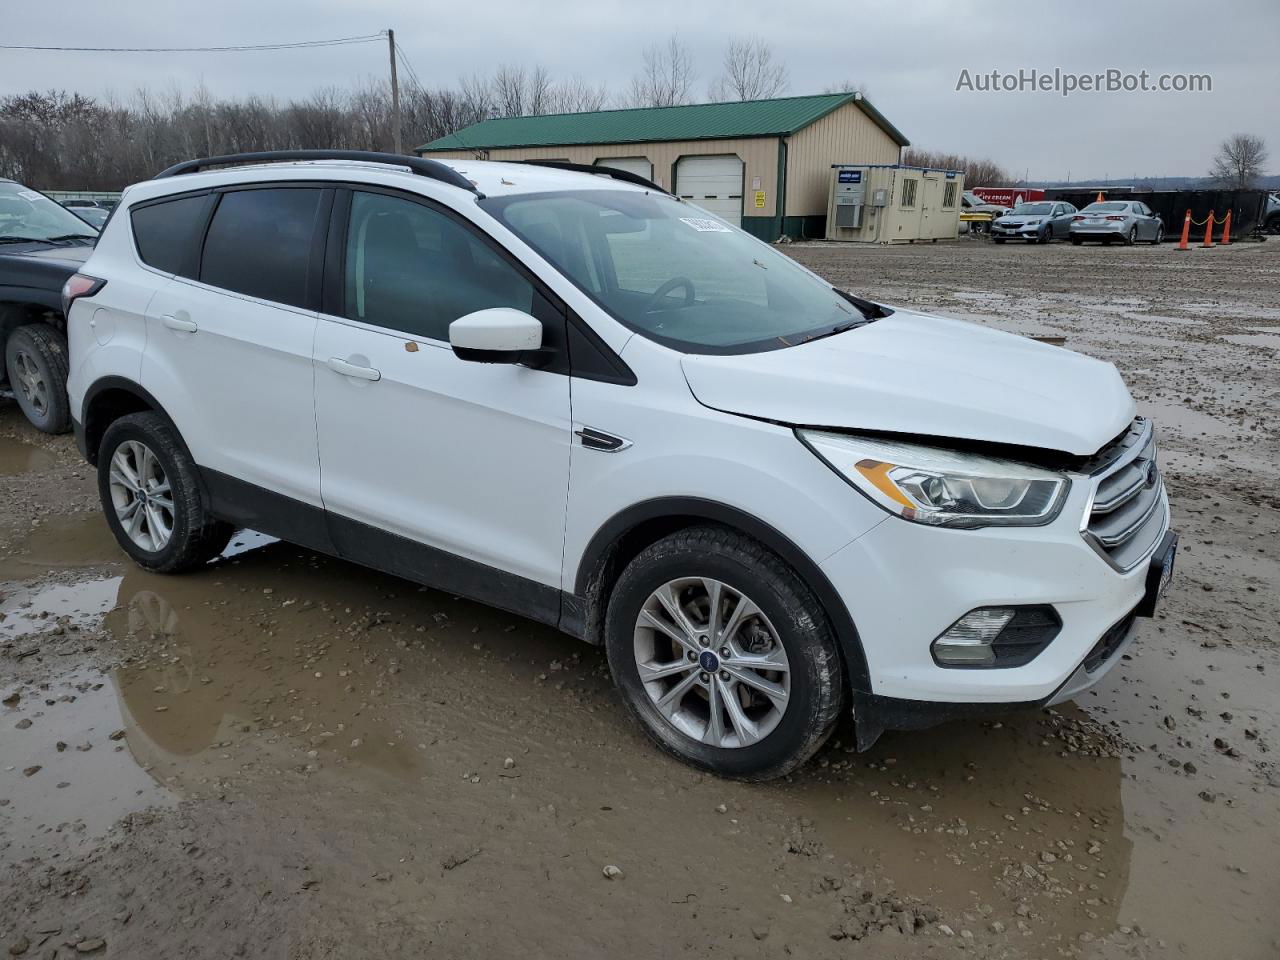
{"x":701,"y":121}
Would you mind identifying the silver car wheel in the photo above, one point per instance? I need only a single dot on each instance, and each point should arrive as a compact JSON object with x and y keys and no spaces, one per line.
{"x":141,"y":495}
{"x":31,"y":382}
{"x":711,"y":662}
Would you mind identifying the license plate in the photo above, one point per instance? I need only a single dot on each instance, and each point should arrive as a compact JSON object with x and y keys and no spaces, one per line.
{"x":1159,"y":573}
{"x":1166,"y":569}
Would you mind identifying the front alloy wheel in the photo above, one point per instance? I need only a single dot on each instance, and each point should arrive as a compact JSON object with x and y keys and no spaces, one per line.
{"x":711,"y":662}
{"x":141,"y":495}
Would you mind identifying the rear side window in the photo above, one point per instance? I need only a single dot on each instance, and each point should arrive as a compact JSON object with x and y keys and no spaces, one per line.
{"x":412,"y":269}
{"x":166,"y":233}
{"x":259,"y":243}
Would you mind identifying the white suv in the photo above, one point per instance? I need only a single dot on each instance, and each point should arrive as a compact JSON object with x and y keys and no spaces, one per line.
{"x":571,"y":395}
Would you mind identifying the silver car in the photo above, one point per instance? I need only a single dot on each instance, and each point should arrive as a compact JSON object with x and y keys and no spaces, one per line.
{"x":1127,"y":221}
{"x":1036,"y":222}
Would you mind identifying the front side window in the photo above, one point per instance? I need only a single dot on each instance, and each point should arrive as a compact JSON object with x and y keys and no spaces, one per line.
{"x":671,"y":272}
{"x":414,"y":269}
{"x":259,"y":243}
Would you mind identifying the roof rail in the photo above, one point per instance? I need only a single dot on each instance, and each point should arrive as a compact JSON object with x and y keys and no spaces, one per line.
{"x":600,"y":171}
{"x":419,"y":165}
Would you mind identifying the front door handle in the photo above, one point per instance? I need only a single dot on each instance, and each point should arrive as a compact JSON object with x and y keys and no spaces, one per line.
{"x":338,"y":365}
{"x":179,"y":324}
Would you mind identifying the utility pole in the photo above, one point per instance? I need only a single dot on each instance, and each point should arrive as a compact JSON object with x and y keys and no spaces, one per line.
{"x":397,"y":144}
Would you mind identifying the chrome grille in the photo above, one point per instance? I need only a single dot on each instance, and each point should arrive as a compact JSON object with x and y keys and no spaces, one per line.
{"x":1128,"y":512}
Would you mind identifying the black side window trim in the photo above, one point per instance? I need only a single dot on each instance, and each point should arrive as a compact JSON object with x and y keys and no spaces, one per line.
{"x":582,"y":355}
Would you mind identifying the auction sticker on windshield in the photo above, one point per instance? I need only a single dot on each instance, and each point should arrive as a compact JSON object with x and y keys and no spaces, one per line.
{"x":705,"y":225}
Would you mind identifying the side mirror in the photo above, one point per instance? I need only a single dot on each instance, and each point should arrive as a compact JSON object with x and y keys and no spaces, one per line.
{"x":496,"y":335}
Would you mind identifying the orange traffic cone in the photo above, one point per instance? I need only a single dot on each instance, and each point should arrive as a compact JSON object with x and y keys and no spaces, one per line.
{"x":1186,"y":231}
{"x":1101,"y":198}
{"x":1208,"y":231}
{"x":1226,"y":229}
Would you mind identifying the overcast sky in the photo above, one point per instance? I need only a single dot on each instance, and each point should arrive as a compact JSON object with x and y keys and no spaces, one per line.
{"x":909,"y":56}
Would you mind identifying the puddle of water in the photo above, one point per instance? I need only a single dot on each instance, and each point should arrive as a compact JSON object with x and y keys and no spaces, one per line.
{"x":30,"y":609}
{"x":17,"y":458}
{"x":63,"y":780}
{"x":1268,"y":340}
{"x":75,"y":542}
{"x":1174,"y":416}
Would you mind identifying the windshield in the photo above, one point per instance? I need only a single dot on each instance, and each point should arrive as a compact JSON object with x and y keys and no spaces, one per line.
{"x":1111,"y":207}
{"x":29,"y":215}
{"x":1033,"y":209}
{"x":673,"y":273}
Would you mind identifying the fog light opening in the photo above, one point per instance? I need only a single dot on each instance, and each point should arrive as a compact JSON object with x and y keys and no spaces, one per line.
{"x":968,"y":641}
{"x":997,"y":637}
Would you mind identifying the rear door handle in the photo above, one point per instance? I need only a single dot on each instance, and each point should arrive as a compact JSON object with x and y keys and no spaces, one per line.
{"x":338,"y":365}
{"x":175,"y":323}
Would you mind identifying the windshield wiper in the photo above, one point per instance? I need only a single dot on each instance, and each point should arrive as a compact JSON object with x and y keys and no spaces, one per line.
{"x":24,"y":240}
{"x":844,"y":327}
{"x":75,"y":236}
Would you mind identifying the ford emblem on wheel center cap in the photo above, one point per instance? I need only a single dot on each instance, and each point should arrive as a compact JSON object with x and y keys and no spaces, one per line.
{"x":708,"y":661}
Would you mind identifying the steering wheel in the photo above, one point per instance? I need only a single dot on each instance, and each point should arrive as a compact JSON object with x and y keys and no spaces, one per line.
{"x":666,"y":288}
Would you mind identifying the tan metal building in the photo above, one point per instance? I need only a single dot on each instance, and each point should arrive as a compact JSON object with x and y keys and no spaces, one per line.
{"x":765,"y":164}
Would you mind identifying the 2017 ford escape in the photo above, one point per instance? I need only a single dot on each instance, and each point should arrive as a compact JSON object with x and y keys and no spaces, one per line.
{"x":574,"y":396}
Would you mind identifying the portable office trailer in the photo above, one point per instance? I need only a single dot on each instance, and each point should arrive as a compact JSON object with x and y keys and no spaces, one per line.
{"x":893,"y":203}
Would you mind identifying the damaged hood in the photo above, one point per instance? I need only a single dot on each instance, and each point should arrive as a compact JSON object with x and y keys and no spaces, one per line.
{"x":927,"y":376}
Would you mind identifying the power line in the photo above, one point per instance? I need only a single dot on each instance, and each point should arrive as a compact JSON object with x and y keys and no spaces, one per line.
{"x":413,"y":74}
{"x":241,"y":48}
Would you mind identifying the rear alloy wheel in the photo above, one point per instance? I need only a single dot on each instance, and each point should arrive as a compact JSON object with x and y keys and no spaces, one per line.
{"x":36,"y":362}
{"x":151,"y":496}
{"x":723,"y":654}
{"x":1132,"y":237}
{"x":1159,"y":237}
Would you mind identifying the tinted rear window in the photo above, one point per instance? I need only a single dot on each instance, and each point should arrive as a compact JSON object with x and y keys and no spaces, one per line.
{"x":259,"y":243}
{"x":166,"y":232}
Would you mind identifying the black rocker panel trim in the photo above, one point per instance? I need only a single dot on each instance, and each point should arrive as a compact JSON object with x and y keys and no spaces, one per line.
{"x":250,"y":507}
{"x":444,"y":571}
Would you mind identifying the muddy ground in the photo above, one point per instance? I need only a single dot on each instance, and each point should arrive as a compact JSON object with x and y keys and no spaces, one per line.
{"x":287,"y":756}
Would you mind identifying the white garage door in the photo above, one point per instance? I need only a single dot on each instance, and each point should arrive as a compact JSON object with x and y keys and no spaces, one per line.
{"x":640,"y":166}
{"x":713,"y":183}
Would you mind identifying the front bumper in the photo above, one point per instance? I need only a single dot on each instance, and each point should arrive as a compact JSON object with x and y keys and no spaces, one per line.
{"x":906,"y":583}
{"x":1020,"y":232}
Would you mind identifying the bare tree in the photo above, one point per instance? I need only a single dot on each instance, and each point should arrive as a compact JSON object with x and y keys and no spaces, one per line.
{"x":576,"y":95}
{"x":665,"y":79}
{"x":846,"y":86}
{"x":1239,"y":160}
{"x":978,"y":171}
{"x":750,"y":72}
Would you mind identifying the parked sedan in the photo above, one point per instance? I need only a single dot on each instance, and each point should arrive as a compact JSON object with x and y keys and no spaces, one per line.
{"x":1125,"y":220}
{"x":1037,"y":222}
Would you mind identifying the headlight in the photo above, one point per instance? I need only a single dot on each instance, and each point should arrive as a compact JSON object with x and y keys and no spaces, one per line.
{"x":942,"y":487}
{"x":1032,"y":223}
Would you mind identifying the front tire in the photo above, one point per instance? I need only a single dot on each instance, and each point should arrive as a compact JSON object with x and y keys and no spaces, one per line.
{"x":151,"y":496}
{"x":36,"y":361}
{"x":749,"y":692}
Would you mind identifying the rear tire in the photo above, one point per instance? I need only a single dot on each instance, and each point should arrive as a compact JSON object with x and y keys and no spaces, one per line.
{"x":1159,"y":237}
{"x":1132,"y":237}
{"x":36,"y":361}
{"x":150,"y":493}
{"x":785,"y":624}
